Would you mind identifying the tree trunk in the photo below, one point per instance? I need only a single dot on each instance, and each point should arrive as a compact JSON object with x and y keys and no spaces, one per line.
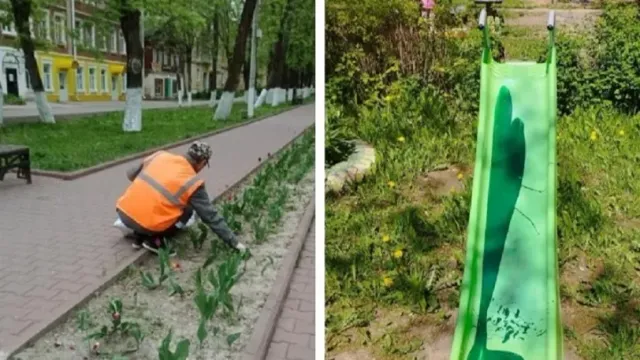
{"x":21,"y":13}
{"x":213,"y":79}
{"x":277,"y":58}
{"x":239,"y":50}
{"x":130,"y":24}
{"x":189,"y":79}
{"x":235,"y":62}
{"x":246,"y":67}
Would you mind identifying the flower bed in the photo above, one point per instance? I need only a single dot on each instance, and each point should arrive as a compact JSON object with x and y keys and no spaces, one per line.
{"x":204,"y":302}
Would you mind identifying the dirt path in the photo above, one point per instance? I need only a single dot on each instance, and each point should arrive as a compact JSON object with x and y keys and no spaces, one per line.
{"x":564,"y":17}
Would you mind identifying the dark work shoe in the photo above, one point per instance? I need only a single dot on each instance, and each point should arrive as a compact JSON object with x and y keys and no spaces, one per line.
{"x":136,"y":240}
{"x":156,"y":243}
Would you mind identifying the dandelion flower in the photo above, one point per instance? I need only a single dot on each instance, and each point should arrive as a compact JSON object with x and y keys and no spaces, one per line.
{"x":460,"y":176}
{"x":621,"y":132}
{"x":385,"y":238}
{"x":387,"y":281}
{"x":397,"y":254}
{"x":594,"y":136}
{"x":391,"y":184}
{"x":401,"y":139}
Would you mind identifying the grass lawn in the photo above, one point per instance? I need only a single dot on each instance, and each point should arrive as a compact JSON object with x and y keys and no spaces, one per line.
{"x":80,"y":143}
{"x":395,"y":245}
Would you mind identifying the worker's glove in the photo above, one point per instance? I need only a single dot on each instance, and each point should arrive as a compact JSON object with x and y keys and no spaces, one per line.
{"x":241,"y":247}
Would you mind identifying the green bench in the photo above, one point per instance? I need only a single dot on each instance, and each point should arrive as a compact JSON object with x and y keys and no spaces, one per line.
{"x":15,"y":157}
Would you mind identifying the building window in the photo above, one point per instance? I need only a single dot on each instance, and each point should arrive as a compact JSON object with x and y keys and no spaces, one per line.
{"x":102,"y":42}
{"x":79,"y":32}
{"x":103,"y":80}
{"x":42,"y":29}
{"x":92,"y":79}
{"x":89,"y":35}
{"x":59,"y":35}
{"x":123,"y":45}
{"x":8,"y":28}
{"x":114,"y":42}
{"x":80,"y":78}
{"x":47,"y":72}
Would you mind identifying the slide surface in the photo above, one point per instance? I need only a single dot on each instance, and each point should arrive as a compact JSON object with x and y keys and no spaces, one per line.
{"x":509,"y":301}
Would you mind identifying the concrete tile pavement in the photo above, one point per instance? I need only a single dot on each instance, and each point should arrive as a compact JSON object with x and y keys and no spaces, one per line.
{"x":57,"y":243}
{"x":294,"y":336}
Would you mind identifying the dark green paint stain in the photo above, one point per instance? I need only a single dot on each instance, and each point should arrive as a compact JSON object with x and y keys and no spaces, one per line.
{"x":505,"y":181}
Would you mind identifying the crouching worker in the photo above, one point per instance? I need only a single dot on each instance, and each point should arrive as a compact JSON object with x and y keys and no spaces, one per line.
{"x":165,"y":195}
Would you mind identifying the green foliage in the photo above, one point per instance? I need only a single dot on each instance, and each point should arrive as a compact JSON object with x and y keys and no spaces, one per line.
{"x":10,"y":99}
{"x":301,"y":35}
{"x":115,"y":310}
{"x":81,"y":143}
{"x":181,"y":352}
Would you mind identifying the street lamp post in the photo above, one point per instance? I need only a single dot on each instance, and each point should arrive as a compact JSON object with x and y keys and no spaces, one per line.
{"x":252,"y":69}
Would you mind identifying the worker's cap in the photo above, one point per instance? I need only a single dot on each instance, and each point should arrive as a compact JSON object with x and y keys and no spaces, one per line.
{"x":200,"y":151}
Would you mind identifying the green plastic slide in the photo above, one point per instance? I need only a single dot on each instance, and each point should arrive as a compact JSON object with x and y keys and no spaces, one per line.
{"x":509,"y":301}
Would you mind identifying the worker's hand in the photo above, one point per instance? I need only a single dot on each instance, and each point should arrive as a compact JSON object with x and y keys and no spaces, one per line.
{"x":241,"y":247}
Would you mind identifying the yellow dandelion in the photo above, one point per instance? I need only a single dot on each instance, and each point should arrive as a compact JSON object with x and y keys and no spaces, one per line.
{"x":387,"y":281}
{"x":385,"y":238}
{"x":397,"y":254}
{"x":401,"y":139}
{"x":621,"y":132}
{"x":594,"y":136}
{"x":391,"y":184}
{"x":460,"y":176}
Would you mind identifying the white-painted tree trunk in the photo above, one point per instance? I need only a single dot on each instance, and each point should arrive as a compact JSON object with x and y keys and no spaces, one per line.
{"x":1,"y":106}
{"x":224,"y":106}
{"x":189,"y":98}
{"x":214,"y":95}
{"x":261,"y":98}
{"x":305,"y":92}
{"x":44,"y":110}
{"x":179,"y":97}
{"x":269,"y":98}
{"x":275,"y":97}
{"x":289,"y":94}
{"x":133,"y":111}
{"x":251,"y":95}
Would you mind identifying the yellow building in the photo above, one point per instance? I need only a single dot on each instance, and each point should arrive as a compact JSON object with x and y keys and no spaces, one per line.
{"x":86,"y":67}
{"x":85,"y":79}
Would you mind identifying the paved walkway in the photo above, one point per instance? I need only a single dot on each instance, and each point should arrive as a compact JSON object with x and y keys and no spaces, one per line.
{"x":294,"y":338}
{"x":29,"y":112}
{"x":57,"y":243}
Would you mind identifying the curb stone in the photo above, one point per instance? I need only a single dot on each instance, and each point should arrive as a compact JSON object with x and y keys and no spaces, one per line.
{"x":263,"y":330}
{"x":353,"y":170}
{"x":93,"y":169}
{"x":136,"y":258}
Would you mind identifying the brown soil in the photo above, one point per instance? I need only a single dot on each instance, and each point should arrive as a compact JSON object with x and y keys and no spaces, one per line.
{"x":439,"y":182}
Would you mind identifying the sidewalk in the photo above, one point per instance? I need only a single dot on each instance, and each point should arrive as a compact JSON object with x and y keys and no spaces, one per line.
{"x":57,"y":243}
{"x":29,"y":112}
{"x":294,"y":337}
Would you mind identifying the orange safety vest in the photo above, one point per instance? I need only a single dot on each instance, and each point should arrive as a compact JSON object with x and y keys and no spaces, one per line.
{"x":158,"y":195}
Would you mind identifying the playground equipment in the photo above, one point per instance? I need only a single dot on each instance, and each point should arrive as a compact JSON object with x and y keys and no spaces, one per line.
{"x":509,"y":297}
